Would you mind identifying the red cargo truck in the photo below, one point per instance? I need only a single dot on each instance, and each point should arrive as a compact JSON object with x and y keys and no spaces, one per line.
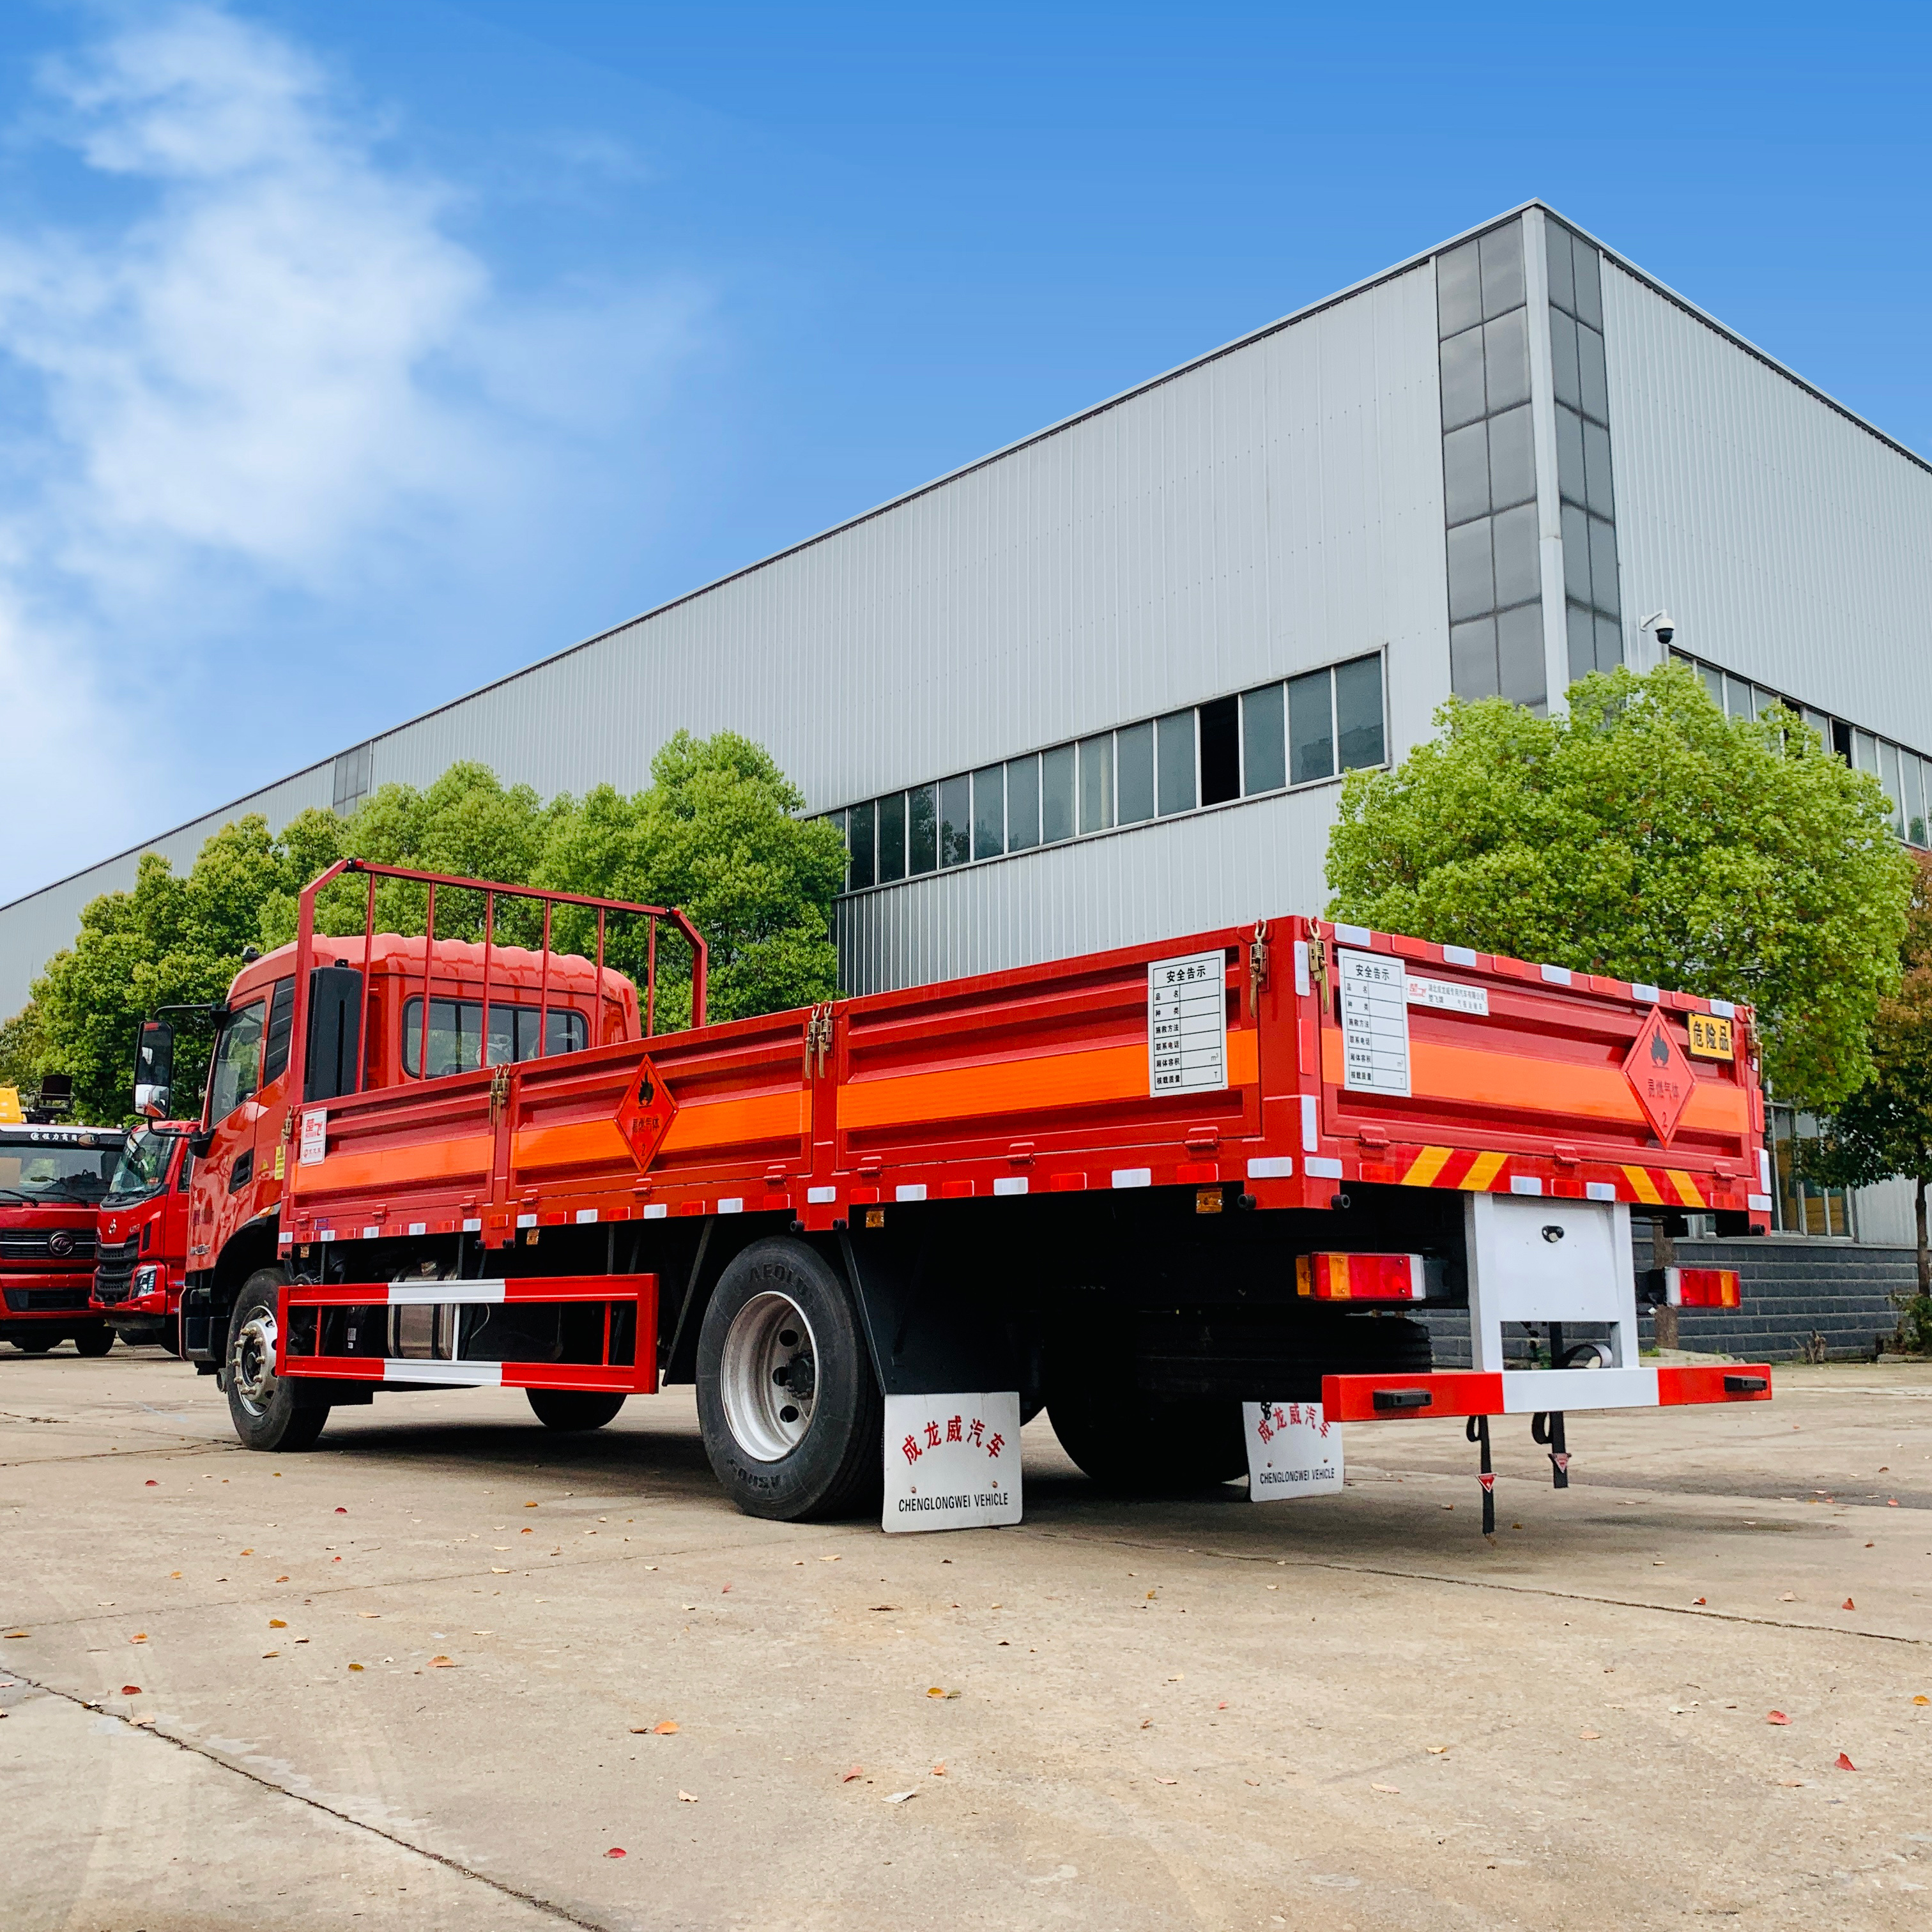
{"x":142,"y":1258}
{"x":52,"y":1181}
{"x":1140,"y":1188}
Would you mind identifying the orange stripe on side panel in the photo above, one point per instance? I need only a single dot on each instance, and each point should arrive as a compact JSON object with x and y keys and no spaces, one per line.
{"x":1426,"y":1166}
{"x":1642,"y":1186}
{"x":1010,"y":1086}
{"x":710,"y":1123}
{"x":428,"y":1160}
{"x":1483,"y":1170}
{"x":1687,"y":1188}
{"x":571,"y":1146}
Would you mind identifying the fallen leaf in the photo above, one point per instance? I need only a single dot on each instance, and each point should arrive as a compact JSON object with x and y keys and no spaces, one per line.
{"x":668,"y":1729}
{"x":939,"y":1769}
{"x":443,"y":1664}
{"x":1788,"y":1597}
{"x":1696,"y":1599}
{"x":140,"y":1636}
{"x":368,"y":1613}
{"x":140,"y":1724}
{"x":174,"y":1573}
{"x":278,"y":1623}
{"x":1393,"y":1790}
{"x":1776,"y":1717}
{"x":355,"y":1666}
{"x":1892,"y":1502}
{"x":1167,"y":1780}
{"x":726,"y":1592}
{"x":1843,"y":1763}
{"x":683,"y":1797}
{"x":247,"y":1552}
{"x":1589,"y":1737}
{"x":1922,"y":1700}
{"x":1178,"y":1677}
{"x":340,"y":1510}
{"x":900,"y":1797}
{"x":496,"y":1570}
{"x":19,"y":1633}
{"x":1220,"y":1707}
{"x":616,"y":1851}
{"x":529,"y":1505}
{"x":1791,"y":1783}
{"x":1146,"y":1723}
{"x":279,"y":1579}
{"x":885,"y":1607}
{"x":1848,"y":1605}
{"x":857,"y":1771}
{"x":130,"y":1689}
{"x":1254,"y":1781}
{"x":272,"y":1653}
{"x":152,"y":1484}
{"x":1437,"y":1750}
{"x":831,"y":1559}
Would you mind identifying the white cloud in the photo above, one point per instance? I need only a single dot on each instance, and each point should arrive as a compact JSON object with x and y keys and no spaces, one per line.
{"x":276,"y":370}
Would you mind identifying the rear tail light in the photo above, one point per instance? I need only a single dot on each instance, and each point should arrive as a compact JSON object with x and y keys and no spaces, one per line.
{"x":1360,"y":1277}
{"x":1701,"y":1288}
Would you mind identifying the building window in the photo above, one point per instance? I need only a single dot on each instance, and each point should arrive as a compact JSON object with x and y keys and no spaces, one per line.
{"x":354,"y":771}
{"x":1905,"y":775}
{"x":1593,"y":605}
{"x":1303,"y":731}
{"x":1801,"y":1206}
{"x":1489,"y":471}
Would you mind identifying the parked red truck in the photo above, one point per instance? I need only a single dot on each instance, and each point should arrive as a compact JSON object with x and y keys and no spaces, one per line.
{"x":1140,"y":1188}
{"x":52,"y":1181}
{"x":142,"y":1258}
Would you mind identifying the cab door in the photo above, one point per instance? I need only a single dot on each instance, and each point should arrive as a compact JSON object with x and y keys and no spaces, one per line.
{"x":224,"y":1176}
{"x":271,"y":1103}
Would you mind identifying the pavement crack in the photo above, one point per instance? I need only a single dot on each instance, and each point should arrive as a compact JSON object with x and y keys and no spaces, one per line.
{"x":563,"y":1914}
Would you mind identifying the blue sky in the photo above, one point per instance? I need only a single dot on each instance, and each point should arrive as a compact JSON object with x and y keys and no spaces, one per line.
{"x":352,"y":354}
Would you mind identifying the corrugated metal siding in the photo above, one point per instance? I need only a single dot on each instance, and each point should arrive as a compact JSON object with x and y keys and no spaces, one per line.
{"x":1790,"y":543}
{"x":1275,"y":508}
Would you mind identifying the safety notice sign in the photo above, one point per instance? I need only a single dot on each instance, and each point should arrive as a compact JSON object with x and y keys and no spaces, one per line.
{"x":1374,"y":1022}
{"x":1187,"y":1024}
{"x":952,"y":1462}
{"x":1292,"y":1451}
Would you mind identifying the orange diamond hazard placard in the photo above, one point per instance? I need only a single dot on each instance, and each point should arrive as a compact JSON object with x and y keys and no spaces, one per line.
{"x":645,"y":1117}
{"x":1660,"y":1075}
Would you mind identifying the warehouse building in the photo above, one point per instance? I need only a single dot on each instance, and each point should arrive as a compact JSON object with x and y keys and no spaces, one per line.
{"x":1101,"y":685}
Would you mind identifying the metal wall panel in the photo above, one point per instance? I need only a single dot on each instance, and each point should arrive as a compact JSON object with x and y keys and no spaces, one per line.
{"x":1274,"y":508}
{"x":1790,"y":543}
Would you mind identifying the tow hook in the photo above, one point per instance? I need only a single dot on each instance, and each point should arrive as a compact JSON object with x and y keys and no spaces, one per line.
{"x":1477,"y":1431}
{"x":1547,"y":1429}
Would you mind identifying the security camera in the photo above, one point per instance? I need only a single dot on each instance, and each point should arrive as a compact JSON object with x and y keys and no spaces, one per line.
{"x":1663,"y":623}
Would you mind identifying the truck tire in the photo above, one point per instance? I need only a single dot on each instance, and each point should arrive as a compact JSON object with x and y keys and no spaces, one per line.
{"x":36,"y":1345}
{"x":95,"y":1341}
{"x":571,"y":1411}
{"x":269,"y":1410}
{"x":790,"y":1408}
{"x":1134,"y":1443}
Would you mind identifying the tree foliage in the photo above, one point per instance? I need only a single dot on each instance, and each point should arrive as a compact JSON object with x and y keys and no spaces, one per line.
{"x":1646,"y":835}
{"x":1884,"y":1129}
{"x":715,"y":833}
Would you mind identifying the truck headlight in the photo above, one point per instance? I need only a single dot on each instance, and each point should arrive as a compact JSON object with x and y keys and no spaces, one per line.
{"x":146,"y":1281}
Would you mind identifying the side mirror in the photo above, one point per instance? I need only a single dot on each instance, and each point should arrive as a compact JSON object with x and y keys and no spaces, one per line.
{"x":153,"y":1068}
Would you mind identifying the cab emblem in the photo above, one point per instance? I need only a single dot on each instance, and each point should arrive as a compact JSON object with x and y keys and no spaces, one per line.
{"x":60,"y":1243}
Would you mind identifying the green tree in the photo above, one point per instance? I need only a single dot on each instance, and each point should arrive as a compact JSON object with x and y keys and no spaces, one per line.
{"x":1884,"y":1130}
{"x":23,"y":1050}
{"x":1645,"y":835}
{"x":715,"y":834}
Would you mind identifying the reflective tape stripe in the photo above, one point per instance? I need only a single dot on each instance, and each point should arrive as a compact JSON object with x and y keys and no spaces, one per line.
{"x":1133,"y":1176}
{"x":1599,"y":1190}
{"x":1687,"y":1188}
{"x":655,"y":1211}
{"x":735,"y":1205}
{"x":585,"y":1214}
{"x":1483,"y":1170}
{"x":458,"y":1375}
{"x":914,"y":1191}
{"x":1525,"y":1183}
{"x":1642,"y":1186}
{"x":527,"y":1220}
{"x":1010,"y":1184}
{"x":1311,"y":1125}
{"x":1270,"y":1167}
{"x":1427,"y":1166}
{"x":819,"y":1196}
{"x":1316,"y":1169}
{"x":418,"y":1293}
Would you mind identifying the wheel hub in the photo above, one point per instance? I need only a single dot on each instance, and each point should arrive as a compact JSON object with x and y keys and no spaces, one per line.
{"x":768,"y":1376}
{"x":251,"y":1362}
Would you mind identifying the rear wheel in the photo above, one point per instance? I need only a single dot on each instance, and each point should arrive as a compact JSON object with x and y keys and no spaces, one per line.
{"x":95,"y":1341}
{"x":570,"y":1410}
{"x":35,"y":1345}
{"x":790,"y":1408}
{"x":269,"y":1410}
{"x":1139,"y":1445}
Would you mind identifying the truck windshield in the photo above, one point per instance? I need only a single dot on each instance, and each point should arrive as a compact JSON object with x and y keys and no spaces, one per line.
{"x":456,"y":1032}
{"x":52,"y":1172}
{"x":143,"y":1167}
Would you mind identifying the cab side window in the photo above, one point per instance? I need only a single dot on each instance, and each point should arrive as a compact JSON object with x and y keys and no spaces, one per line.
{"x":235,"y":1075}
{"x":281,"y":1029}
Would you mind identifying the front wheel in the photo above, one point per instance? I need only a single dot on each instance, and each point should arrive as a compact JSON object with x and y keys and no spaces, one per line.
{"x":36,"y":1345}
{"x":790,"y":1408}
{"x":269,"y":1410}
{"x":95,"y":1341}
{"x":569,"y":1412}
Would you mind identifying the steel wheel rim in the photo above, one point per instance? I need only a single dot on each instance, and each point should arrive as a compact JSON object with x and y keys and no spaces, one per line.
{"x":768,"y":1376}
{"x":251,"y":1362}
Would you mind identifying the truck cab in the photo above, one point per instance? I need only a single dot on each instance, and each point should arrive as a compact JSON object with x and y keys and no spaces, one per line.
{"x":52,"y":1180}
{"x":142,"y":1258}
{"x":389,"y":1013}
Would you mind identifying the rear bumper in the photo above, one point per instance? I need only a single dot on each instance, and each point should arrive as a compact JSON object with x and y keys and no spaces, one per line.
{"x":1460,"y":1392}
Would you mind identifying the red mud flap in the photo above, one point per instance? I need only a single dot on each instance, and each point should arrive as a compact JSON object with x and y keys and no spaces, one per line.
{"x":444,"y":1333}
{"x":1464,"y":1392}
